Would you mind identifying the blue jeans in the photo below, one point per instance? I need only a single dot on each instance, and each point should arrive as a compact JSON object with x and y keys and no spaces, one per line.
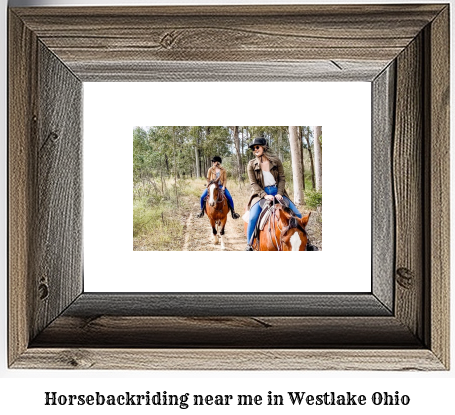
{"x":256,"y":210}
{"x":226,"y":192}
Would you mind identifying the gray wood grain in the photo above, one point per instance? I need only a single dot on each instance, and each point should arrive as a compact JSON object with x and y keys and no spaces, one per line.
{"x":272,"y":34}
{"x":22,"y":95}
{"x":60,"y":45}
{"x":382,"y":200}
{"x":44,"y":187}
{"x":212,"y":305}
{"x":407,"y":176}
{"x":438,"y":197}
{"x":58,"y":209}
{"x":309,"y":71}
{"x":228,"y":359}
{"x":257,"y":332}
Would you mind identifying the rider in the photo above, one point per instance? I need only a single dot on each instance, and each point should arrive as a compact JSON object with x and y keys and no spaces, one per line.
{"x":267,"y":180}
{"x":217,"y":172}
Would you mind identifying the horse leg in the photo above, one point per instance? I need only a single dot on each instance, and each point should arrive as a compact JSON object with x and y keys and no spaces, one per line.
{"x":215,"y":231}
{"x":223,"y":224}
{"x":215,"y":237}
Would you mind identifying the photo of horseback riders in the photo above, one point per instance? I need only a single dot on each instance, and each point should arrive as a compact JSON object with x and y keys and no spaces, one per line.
{"x":240,"y":188}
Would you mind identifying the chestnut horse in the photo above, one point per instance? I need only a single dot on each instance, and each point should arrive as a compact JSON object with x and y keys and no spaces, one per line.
{"x":217,"y":209}
{"x":283,"y":232}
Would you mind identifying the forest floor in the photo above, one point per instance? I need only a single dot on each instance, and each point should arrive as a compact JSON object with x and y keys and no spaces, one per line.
{"x":198,"y":231}
{"x":196,"y":234}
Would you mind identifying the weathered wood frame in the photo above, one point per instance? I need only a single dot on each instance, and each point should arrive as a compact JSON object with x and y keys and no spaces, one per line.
{"x":403,"y":324}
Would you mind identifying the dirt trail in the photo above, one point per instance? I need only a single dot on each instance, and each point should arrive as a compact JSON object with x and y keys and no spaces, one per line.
{"x":198,"y":232}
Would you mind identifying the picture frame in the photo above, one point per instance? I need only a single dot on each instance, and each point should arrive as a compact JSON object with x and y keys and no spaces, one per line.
{"x":402,"y":324}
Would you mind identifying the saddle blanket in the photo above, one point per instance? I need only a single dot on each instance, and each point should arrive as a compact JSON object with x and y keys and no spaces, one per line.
{"x":263,"y":218}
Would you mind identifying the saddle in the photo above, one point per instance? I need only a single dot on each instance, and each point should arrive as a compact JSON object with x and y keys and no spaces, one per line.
{"x":264,"y":216}
{"x":266,"y":206}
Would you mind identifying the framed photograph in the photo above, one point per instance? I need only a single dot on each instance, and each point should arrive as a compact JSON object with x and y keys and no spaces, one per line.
{"x":400,"y":322}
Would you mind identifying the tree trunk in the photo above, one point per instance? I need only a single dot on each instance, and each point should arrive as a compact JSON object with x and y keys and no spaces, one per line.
{"x":237,"y":149}
{"x":167,"y":164}
{"x":318,"y":157}
{"x":307,"y":139}
{"x":196,"y":154}
{"x":247,"y":137}
{"x":296,"y":165}
{"x":280,"y":140}
{"x":175,"y":170}
{"x":163,"y":182}
{"x":301,"y":156}
{"x":242,"y":146}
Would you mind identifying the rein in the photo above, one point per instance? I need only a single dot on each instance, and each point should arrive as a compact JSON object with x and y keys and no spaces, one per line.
{"x":274,"y":225}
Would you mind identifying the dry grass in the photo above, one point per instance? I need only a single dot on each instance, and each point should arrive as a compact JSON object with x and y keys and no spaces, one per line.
{"x":159,"y":225}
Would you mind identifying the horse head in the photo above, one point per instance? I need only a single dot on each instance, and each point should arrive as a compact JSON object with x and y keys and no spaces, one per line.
{"x":213,"y":193}
{"x":293,"y":235}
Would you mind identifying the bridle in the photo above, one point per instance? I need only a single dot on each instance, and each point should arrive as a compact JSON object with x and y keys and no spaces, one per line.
{"x":273,"y":225}
{"x":220,"y":197}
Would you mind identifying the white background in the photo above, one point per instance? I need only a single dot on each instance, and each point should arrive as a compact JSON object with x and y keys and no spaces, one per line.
{"x":112,"y":109}
{"x":23,"y":391}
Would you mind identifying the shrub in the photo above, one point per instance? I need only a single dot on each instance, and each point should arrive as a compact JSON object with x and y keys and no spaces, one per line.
{"x":313,"y":198}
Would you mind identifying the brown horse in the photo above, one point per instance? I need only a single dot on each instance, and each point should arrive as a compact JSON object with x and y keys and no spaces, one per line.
{"x":217,"y":209}
{"x":283,"y":232}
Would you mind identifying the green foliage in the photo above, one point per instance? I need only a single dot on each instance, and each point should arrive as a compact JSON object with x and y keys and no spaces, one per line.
{"x":308,"y":182}
{"x":313,"y":198}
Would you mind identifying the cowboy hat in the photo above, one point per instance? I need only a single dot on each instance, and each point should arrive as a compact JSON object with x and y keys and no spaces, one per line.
{"x":258,"y":141}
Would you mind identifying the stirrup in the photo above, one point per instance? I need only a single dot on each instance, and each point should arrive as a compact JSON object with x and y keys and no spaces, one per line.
{"x":200,"y":214}
{"x":249,"y":248}
{"x":234,"y":215}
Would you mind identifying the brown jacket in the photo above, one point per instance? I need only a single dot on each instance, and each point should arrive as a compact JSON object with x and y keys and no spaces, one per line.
{"x":211,"y":175}
{"x":257,"y":180}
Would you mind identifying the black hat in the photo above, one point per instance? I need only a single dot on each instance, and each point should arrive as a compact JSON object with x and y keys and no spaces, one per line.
{"x":258,"y":141}
{"x":217,"y":158}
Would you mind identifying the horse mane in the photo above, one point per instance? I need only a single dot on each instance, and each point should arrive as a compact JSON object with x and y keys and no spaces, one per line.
{"x":292,"y":221}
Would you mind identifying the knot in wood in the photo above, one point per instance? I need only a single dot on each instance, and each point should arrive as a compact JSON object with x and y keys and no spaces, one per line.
{"x":168,"y":40}
{"x":76,"y":359}
{"x":405,"y":278}
{"x":43,"y":291}
{"x":53,"y":136}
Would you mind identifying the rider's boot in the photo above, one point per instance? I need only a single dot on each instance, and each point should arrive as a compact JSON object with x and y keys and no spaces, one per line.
{"x":249,"y":248}
{"x":233,"y":212}
{"x":201,"y":213}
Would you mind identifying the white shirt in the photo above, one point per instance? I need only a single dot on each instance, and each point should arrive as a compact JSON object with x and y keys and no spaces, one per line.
{"x":268,"y":179}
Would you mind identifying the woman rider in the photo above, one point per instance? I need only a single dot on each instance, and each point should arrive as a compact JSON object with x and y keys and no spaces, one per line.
{"x":216,"y":172}
{"x":267,"y":180}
